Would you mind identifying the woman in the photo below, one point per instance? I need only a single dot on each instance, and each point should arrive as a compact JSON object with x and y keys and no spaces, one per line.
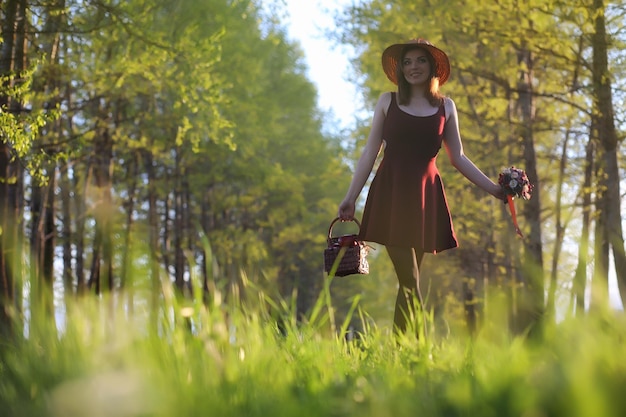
{"x":406,"y":208}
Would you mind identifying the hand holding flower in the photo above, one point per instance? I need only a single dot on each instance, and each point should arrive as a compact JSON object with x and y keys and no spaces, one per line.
{"x":514,"y":183}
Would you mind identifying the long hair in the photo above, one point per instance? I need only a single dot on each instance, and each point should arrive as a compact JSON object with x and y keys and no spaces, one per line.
{"x":434,"y":97}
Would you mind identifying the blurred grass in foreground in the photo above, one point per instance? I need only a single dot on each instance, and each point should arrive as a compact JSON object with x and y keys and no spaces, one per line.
{"x":240,"y":364}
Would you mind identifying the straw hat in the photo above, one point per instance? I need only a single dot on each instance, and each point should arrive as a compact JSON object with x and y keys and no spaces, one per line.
{"x":392,"y":55}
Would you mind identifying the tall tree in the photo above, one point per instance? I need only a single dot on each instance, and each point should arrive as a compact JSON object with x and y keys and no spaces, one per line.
{"x":12,"y":63}
{"x":609,"y":232}
{"x":580,"y":277}
{"x":532,"y":285}
{"x":42,"y":202}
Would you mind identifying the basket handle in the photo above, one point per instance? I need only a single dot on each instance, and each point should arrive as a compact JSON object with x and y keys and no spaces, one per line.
{"x":330,"y":229}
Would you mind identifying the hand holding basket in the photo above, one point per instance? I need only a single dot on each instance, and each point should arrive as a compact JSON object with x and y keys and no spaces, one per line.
{"x":345,"y":255}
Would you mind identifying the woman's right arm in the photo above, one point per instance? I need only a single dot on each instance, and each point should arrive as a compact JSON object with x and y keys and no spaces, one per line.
{"x":368,"y":157}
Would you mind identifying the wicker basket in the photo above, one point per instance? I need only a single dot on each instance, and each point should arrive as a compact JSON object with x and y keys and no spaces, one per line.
{"x":345,"y":255}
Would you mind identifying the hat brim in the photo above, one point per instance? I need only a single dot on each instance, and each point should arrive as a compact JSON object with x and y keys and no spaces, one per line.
{"x":392,"y":55}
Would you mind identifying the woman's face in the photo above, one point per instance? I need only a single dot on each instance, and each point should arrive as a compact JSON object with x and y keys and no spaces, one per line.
{"x":416,"y":67}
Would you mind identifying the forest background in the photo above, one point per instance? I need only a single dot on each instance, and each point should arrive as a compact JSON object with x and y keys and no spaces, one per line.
{"x":167,"y":180}
{"x":145,"y":141}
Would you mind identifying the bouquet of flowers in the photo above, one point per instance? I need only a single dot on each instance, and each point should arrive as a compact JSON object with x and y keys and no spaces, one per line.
{"x":515,"y":183}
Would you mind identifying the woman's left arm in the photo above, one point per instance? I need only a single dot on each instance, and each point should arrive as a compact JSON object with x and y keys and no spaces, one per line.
{"x":454,"y":148}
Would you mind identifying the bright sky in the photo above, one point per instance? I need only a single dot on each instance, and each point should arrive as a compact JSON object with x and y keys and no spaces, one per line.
{"x":328,"y":64}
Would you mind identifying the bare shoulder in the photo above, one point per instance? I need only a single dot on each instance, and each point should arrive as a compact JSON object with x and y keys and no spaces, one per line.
{"x":384,"y":101}
{"x":385,"y":97}
{"x":450,"y":107}
{"x":449,"y":103}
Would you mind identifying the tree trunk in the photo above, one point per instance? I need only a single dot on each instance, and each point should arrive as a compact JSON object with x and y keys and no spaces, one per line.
{"x":609,"y":217}
{"x":600,"y":280}
{"x":43,"y":230}
{"x":80,"y":191}
{"x":126,"y":276}
{"x":8,"y":245}
{"x":191,"y":237}
{"x":531,"y":287}
{"x":208,"y":274}
{"x":559,"y":231}
{"x":12,"y":55}
{"x":42,"y":244}
{"x":153,"y":223}
{"x":580,"y":278}
{"x":66,"y":231}
{"x":165,"y":238}
{"x":179,"y":258}
{"x":102,"y":261}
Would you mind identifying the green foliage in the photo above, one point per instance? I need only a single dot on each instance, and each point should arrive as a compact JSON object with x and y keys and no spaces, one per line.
{"x":231,"y":364}
{"x":214,"y":101}
{"x":22,"y":130}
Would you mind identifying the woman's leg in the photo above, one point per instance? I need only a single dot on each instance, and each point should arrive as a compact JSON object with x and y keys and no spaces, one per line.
{"x":406,"y":262}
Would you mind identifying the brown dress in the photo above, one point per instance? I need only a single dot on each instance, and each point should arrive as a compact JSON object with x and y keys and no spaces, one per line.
{"x":406,"y":204}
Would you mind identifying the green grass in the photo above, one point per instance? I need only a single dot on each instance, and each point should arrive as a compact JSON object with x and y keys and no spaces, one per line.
{"x":232,"y":363}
